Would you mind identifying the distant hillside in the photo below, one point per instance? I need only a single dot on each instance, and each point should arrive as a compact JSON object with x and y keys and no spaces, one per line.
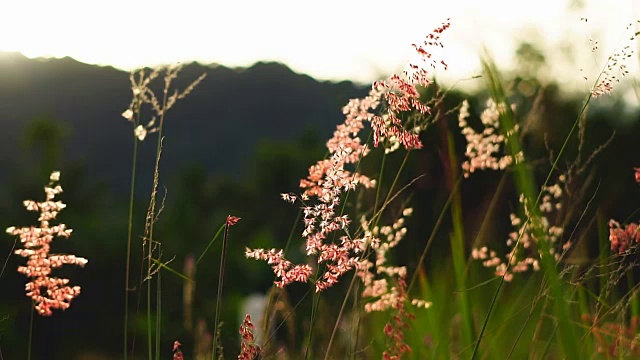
{"x":218,"y":125}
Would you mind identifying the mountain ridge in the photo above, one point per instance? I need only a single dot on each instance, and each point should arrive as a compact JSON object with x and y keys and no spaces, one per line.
{"x":218,"y":125}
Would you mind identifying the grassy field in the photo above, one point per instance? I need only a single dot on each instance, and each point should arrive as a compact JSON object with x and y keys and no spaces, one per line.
{"x":532,"y":267}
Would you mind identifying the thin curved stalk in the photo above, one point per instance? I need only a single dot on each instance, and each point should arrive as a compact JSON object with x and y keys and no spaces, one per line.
{"x":129,"y":235}
{"x":152,"y":218}
{"x":314,"y":310}
{"x":335,"y":327}
{"x":223,"y":259}
{"x":30,"y":334}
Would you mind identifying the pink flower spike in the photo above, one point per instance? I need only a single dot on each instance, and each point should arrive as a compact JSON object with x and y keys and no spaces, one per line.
{"x":249,"y":350}
{"x":232,"y":220}
{"x":396,"y":99}
{"x":47,"y":292}
{"x":177,"y":353}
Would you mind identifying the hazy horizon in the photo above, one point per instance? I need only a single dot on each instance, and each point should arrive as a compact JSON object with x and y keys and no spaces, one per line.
{"x":370,"y":42}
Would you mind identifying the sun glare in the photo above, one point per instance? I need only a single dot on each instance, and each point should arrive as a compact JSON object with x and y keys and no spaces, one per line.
{"x":334,"y":40}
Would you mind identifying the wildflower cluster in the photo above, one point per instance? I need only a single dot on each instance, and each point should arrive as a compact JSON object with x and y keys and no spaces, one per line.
{"x":142,"y":94}
{"x":381,"y":240}
{"x":329,"y":178}
{"x":523,"y":241}
{"x":47,"y":292}
{"x":483,"y":147}
{"x":615,"y":65}
{"x":249,"y":350}
{"x":622,"y":239}
{"x":282,"y":268}
{"x":402,"y":96}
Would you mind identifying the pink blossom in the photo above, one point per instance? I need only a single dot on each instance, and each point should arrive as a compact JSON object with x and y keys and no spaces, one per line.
{"x":394,"y":329}
{"x":616,"y":64}
{"x":248,"y":350}
{"x":523,"y":240}
{"x":623,"y":238}
{"x":232,"y":220}
{"x":484,"y":147}
{"x":177,"y":353}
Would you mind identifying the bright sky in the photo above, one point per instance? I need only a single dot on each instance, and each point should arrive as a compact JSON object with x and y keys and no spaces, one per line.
{"x":361,"y":40}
